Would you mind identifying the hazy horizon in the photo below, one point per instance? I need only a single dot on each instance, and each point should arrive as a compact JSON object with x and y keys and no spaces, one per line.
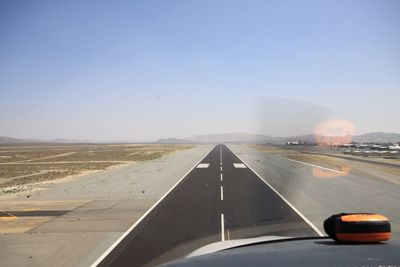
{"x":150,"y":70}
{"x":168,"y":137}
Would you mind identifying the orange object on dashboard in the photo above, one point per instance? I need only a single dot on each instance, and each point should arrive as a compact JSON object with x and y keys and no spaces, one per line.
{"x":362,"y":217}
{"x":358,"y":227}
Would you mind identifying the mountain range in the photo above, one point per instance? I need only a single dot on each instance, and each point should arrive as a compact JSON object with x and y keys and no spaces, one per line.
{"x":377,"y":137}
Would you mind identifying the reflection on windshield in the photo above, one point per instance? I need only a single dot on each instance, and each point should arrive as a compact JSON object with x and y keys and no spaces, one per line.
{"x":334,"y":132}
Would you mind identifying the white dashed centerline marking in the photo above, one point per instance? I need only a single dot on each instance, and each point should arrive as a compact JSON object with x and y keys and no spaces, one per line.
{"x":222,"y":227}
{"x":222,"y":197}
{"x":316,"y":166}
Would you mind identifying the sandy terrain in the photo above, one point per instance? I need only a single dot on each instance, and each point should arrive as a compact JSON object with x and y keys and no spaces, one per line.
{"x":22,"y":167}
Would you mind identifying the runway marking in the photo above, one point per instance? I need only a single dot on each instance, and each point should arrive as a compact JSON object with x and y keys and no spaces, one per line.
{"x":203,"y":165}
{"x":220,"y":168}
{"x":239,"y":165}
{"x":220,"y":153}
{"x":316,"y":166}
{"x":33,"y":213}
{"x":99,"y":259}
{"x":6,"y":216}
{"x":222,"y":227}
{"x":284,"y":199}
{"x":221,"y":177}
{"x":222,"y":192}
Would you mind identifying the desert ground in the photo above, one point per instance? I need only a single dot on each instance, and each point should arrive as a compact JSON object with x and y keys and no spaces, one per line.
{"x":22,"y":168}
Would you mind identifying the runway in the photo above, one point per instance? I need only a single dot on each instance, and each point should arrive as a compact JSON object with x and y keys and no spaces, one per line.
{"x":220,"y":199}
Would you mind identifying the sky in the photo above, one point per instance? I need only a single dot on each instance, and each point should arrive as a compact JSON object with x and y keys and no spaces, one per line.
{"x":143,"y":70}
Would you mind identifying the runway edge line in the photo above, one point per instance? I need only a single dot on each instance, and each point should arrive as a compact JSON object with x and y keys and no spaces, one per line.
{"x":283,"y":198}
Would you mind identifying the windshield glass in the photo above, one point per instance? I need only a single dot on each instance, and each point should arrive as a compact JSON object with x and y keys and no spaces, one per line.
{"x":135,"y":132}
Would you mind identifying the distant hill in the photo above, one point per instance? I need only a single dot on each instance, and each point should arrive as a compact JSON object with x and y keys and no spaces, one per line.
{"x":307,"y":139}
{"x":172,"y":141}
{"x":69,"y":141}
{"x":244,"y":138}
{"x":377,"y":137}
{"x":11,"y":140}
{"x":229,"y":138}
{"x":4,"y":140}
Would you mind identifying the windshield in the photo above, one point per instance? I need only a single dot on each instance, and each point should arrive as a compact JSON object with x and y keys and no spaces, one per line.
{"x":135,"y":132}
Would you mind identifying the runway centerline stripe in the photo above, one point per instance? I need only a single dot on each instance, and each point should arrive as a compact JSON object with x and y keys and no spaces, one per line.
{"x":222,"y":227}
{"x":222,"y":192}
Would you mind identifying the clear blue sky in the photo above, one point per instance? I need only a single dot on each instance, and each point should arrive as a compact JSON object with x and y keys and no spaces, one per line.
{"x":111,"y":70}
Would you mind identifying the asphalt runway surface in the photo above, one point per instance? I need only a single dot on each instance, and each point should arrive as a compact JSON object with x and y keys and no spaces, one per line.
{"x":219,"y":199}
